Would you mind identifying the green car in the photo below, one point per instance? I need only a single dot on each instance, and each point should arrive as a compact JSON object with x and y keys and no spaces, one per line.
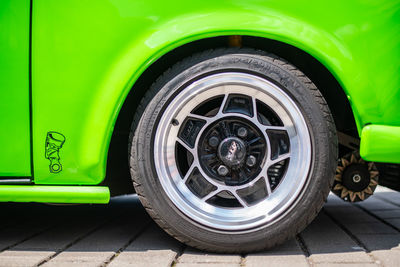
{"x":232,"y":120}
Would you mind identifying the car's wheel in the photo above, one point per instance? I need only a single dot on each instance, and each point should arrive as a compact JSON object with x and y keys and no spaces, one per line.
{"x":235,"y":151}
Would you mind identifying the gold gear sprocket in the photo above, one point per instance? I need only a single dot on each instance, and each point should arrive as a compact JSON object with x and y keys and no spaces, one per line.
{"x":355,"y":179}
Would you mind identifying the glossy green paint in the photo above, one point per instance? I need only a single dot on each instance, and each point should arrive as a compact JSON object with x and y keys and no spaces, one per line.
{"x":88,"y":54}
{"x":54,"y":194}
{"x":14,"y":88}
{"x":380,"y":143}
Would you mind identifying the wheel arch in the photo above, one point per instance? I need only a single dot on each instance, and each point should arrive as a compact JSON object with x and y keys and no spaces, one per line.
{"x":117,"y":174}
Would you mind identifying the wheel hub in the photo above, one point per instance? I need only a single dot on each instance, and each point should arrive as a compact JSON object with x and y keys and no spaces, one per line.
{"x":356,"y":177}
{"x":232,"y":151}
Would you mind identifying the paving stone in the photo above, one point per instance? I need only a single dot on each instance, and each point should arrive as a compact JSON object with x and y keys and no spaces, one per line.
{"x":288,"y":254}
{"x":351,"y":215}
{"x":152,"y":248}
{"x":387,"y":214}
{"x":347,"y":264}
{"x":389,"y":195}
{"x":327,"y":242}
{"x":380,"y":242}
{"x":374,"y":203}
{"x":394,"y":222}
{"x":387,"y":257}
{"x":346,"y":212}
{"x":383,"y":189}
{"x":371,"y":228}
{"x":282,"y":261}
{"x":191,"y":255}
{"x":342,"y":257}
{"x":12,"y":258}
{"x":374,"y":235}
{"x":210,"y":264}
{"x":12,"y":235}
{"x":42,"y":246}
{"x":101,"y":245}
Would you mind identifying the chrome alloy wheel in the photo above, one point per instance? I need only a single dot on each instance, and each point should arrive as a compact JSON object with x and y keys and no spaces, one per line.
{"x":232,"y":151}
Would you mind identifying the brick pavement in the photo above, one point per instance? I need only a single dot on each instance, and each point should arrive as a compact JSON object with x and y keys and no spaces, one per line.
{"x":121,"y":234}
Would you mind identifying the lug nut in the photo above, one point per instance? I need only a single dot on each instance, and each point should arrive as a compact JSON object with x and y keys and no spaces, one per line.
{"x":213,"y":141}
{"x":251,"y":161}
{"x":222,"y":170}
{"x":242,"y":132}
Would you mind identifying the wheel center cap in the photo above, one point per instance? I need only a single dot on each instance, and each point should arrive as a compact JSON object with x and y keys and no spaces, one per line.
{"x":232,"y":151}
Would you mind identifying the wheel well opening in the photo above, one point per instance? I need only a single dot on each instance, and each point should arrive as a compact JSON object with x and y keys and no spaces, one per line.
{"x":118,"y":175}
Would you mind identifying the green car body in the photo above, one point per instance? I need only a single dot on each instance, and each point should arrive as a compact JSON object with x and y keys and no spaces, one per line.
{"x":67,"y":69}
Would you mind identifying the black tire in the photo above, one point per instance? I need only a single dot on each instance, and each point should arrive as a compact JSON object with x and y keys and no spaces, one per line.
{"x":323,"y":143}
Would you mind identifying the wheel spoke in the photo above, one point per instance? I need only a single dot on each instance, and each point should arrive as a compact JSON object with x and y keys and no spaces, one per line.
{"x":221,"y":109}
{"x":189,"y":172}
{"x":254,"y":140}
{"x":238,"y":198}
{"x":267,"y":185}
{"x":188,"y":148}
{"x":200,"y":117}
{"x":254,"y":101}
{"x":254,"y":181}
{"x":270,"y":127}
{"x":280,"y":158}
{"x":210,"y":195}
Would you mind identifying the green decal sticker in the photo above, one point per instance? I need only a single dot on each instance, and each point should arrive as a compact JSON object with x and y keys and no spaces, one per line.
{"x":54,"y":142}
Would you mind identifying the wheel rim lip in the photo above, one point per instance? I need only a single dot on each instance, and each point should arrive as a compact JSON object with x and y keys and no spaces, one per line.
{"x":276,"y":204}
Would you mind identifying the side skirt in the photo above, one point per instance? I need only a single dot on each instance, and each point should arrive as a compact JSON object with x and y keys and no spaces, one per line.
{"x":54,"y":194}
